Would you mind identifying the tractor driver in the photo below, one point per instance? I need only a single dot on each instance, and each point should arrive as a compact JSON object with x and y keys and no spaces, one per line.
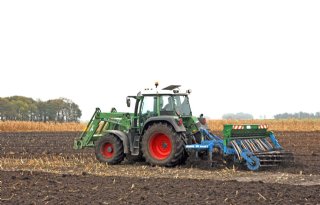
{"x":169,"y":105}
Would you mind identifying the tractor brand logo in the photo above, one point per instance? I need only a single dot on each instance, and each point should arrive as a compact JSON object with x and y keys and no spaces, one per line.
{"x":197,"y":146}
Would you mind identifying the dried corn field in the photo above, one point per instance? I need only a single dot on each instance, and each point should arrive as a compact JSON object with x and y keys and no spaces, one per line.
{"x":297,"y":125}
{"x":23,"y":126}
{"x":303,"y":125}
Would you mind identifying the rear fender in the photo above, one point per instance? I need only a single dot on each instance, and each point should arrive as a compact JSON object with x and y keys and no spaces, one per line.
{"x":167,"y":119}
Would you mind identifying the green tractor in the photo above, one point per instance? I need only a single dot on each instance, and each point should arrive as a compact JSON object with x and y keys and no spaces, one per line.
{"x":163,"y":131}
{"x":157,"y":131}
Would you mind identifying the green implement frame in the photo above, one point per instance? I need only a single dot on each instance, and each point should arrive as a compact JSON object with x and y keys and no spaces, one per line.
{"x":246,"y":131}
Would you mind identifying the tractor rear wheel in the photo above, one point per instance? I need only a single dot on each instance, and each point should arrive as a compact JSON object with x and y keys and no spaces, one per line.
{"x":162,"y":145}
{"x":109,"y":149}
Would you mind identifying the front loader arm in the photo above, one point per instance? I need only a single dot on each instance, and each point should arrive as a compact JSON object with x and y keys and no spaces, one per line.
{"x":87,"y":134}
{"x":111,"y":121}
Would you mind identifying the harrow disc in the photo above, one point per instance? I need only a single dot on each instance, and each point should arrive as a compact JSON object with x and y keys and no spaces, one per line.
{"x":253,"y":166}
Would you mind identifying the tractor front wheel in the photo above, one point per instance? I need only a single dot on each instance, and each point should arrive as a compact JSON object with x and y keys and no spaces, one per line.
{"x":162,"y":145}
{"x":109,"y":149}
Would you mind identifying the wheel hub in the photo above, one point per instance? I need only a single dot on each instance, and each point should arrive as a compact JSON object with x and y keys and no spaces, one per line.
{"x":160,"y":146}
{"x":164,"y":145}
{"x":107,"y":150}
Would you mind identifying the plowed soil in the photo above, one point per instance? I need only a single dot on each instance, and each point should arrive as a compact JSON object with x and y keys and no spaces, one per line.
{"x":42,"y":168}
{"x":45,"y":188}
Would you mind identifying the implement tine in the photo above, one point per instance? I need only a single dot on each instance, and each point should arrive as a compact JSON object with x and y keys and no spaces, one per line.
{"x":264,"y":145}
{"x":258,"y":144}
{"x":268,"y":143}
{"x":249,"y":145}
{"x":255,"y":145}
{"x":237,"y":144}
{"x":243,"y":144}
{"x":236,"y":148}
{"x":258,"y":141}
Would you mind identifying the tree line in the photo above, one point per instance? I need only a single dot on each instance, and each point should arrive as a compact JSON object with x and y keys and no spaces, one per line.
{"x":22,"y":108}
{"x":237,"y":116}
{"x":298,"y":115}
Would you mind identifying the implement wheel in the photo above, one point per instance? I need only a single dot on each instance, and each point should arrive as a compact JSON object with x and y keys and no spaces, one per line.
{"x":255,"y":165}
{"x":162,"y":145}
{"x":109,"y":149}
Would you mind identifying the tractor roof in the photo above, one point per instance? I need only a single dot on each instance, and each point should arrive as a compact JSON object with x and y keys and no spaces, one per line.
{"x":171,"y":87}
{"x":161,"y":92}
{"x":169,"y":90}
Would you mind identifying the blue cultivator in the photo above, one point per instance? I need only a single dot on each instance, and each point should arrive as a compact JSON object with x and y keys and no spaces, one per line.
{"x":251,"y":145}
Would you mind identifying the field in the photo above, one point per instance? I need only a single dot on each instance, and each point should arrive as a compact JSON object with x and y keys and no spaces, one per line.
{"x":306,"y":125}
{"x":42,"y":168}
{"x":24,"y":126}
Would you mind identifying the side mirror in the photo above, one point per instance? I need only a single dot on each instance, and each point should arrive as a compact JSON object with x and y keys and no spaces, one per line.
{"x":128,"y":102}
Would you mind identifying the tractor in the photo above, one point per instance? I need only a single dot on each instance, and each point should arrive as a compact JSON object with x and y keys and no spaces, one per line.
{"x":162,"y":131}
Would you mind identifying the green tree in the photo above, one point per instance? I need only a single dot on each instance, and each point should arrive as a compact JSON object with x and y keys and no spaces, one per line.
{"x":27,"y":109}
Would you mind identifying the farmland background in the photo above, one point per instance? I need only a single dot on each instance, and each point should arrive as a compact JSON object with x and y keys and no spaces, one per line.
{"x":304,"y":125}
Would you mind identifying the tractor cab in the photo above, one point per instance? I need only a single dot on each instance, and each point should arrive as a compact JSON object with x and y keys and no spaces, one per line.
{"x":168,"y":102}
{"x":174,"y":105}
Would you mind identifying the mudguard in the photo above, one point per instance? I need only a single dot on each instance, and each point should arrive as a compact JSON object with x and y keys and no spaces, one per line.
{"x":168,"y":119}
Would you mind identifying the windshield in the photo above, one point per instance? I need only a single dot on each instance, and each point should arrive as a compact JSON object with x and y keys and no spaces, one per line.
{"x":175,"y":103}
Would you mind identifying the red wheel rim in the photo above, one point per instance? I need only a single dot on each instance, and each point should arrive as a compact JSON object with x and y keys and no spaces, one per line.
{"x":107,"y":150}
{"x":160,"y":146}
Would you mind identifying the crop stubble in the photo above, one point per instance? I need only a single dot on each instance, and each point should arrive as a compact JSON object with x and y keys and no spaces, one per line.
{"x":83,"y":178}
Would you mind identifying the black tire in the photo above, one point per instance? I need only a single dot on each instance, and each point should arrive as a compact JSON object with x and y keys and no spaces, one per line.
{"x":162,"y":145}
{"x":109,"y":149}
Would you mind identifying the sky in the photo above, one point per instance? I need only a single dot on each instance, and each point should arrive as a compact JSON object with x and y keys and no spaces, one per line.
{"x":258,"y":57}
